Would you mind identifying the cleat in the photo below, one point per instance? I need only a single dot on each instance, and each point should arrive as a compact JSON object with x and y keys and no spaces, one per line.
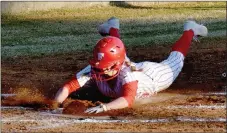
{"x":104,"y":28}
{"x":198,"y":29}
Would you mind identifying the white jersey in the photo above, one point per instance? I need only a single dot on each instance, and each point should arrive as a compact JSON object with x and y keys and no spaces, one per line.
{"x":152,"y":77}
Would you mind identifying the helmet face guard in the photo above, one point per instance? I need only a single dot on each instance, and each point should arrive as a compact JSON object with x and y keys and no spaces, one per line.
{"x":108,"y":55}
{"x":100,"y":74}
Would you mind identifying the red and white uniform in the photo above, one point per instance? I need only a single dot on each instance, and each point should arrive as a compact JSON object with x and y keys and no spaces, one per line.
{"x":149,"y":77}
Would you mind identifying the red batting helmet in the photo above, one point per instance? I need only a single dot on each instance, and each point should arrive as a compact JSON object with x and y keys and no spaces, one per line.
{"x":109,"y":53}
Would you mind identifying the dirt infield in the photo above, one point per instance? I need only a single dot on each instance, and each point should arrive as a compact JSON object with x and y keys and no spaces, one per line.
{"x":196,"y":102}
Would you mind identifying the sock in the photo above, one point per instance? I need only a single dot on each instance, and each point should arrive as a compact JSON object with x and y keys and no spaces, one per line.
{"x":114,"y":32}
{"x":183,"y":44}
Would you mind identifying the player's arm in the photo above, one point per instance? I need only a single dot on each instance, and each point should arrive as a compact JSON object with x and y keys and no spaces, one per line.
{"x":126,"y":100}
{"x":74,"y":84}
{"x":67,"y":89}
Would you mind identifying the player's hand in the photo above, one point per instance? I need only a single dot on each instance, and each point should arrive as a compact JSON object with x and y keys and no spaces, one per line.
{"x":97,"y":109}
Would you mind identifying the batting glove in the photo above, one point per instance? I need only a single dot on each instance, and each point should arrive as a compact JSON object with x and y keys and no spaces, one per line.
{"x":97,"y":109}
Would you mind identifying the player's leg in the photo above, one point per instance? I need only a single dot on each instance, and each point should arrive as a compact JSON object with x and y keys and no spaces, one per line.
{"x":110,"y":28}
{"x":191,"y":30}
{"x":173,"y":65}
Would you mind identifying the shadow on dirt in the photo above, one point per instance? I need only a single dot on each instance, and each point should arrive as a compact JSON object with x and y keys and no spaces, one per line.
{"x":123,"y":4}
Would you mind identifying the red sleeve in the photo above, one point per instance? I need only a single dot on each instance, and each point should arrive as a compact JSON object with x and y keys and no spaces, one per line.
{"x":129,"y":91}
{"x":72,"y":85}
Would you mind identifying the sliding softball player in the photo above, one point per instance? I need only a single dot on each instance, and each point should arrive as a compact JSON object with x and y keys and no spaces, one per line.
{"x":125,"y":81}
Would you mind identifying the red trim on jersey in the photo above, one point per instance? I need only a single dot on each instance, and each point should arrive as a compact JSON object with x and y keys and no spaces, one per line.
{"x":129,"y":91}
{"x":72,"y":85}
{"x":183,"y":44}
{"x":114,"y":32}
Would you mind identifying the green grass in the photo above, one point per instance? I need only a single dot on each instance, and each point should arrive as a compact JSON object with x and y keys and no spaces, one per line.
{"x":62,"y":31}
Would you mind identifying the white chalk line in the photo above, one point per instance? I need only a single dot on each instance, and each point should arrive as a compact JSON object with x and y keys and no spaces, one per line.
{"x":8,"y":95}
{"x":188,"y":119}
{"x":214,"y":93}
{"x":196,"y":106}
{"x":72,"y":116}
{"x":209,"y":93}
{"x":169,"y":107}
{"x":15,"y":108}
{"x":88,"y":120}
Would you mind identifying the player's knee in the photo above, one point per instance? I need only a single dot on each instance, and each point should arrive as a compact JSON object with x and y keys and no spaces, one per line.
{"x":181,"y":64}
